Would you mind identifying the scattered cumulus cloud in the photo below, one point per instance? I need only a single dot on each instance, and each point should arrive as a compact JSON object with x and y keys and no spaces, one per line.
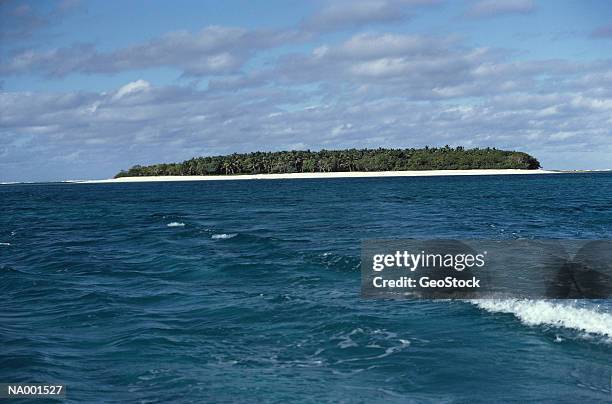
{"x":213,"y":50}
{"x":371,"y":89}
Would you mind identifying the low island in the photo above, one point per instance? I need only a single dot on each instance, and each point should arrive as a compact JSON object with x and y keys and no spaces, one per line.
{"x":349,"y":160}
{"x":428,"y":161}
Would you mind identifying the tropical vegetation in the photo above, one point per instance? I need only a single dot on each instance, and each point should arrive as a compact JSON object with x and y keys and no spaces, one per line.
{"x":296,"y":161}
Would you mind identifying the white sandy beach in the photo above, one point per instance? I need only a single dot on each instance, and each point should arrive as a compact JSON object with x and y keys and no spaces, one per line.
{"x":354,"y":174}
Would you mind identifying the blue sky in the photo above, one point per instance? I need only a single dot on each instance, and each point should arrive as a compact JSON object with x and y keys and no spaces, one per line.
{"x":89,"y":88}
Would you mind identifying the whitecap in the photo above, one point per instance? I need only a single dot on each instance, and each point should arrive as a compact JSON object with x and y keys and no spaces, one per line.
{"x":176,"y":224}
{"x":223,"y":236}
{"x":5,"y":243}
{"x":542,"y":312}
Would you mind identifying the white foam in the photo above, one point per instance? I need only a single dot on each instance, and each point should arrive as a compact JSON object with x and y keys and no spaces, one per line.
{"x":542,"y":312}
{"x":5,"y":243}
{"x":223,"y":236}
{"x":176,"y":224}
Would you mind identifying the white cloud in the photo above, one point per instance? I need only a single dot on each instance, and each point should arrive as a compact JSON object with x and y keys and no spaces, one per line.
{"x":372,"y":45}
{"x":133,"y":87}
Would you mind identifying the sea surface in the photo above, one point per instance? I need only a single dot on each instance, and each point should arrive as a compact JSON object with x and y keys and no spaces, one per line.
{"x":249,"y":291}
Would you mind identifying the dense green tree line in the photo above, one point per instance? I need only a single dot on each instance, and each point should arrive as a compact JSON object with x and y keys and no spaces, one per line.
{"x":442,"y":158}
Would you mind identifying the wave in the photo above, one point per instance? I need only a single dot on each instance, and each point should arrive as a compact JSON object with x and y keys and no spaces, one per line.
{"x":223,"y":236}
{"x":176,"y":224}
{"x":543,"y":312}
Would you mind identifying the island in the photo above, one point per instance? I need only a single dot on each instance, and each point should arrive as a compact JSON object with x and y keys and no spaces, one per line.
{"x":343,"y":161}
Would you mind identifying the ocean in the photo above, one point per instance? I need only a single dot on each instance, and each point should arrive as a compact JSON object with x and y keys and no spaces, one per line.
{"x":250,"y":291}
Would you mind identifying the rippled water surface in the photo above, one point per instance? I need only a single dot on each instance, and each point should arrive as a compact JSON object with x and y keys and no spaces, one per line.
{"x":249,"y":290}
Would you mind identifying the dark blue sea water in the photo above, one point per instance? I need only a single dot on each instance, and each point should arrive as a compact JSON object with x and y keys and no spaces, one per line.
{"x":249,"y":291}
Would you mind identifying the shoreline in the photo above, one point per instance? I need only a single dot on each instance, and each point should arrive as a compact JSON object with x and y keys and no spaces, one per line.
{"x":344,"y":174}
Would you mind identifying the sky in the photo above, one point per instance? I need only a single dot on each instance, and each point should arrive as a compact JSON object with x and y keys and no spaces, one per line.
{"x":88,"y":88}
